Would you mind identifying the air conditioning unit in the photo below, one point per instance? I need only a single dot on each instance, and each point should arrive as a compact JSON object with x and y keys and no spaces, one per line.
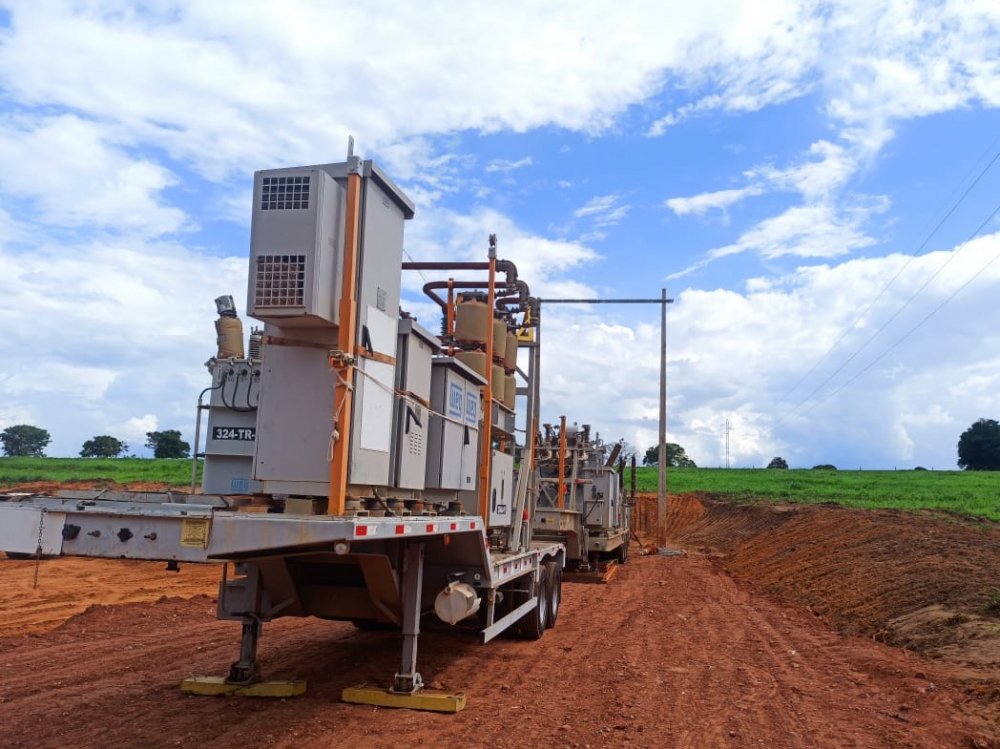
{"x":296,"y":238}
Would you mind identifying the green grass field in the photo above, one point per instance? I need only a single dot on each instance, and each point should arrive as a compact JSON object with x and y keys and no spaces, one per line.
{"x":975,"y":493}
{"x":122,"y":470}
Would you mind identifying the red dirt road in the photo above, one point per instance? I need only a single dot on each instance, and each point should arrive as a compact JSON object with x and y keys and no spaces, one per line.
{"x":674,"y":652}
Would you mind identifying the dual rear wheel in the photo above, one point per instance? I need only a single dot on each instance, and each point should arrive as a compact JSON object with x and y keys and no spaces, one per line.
{"x":549,"y":592}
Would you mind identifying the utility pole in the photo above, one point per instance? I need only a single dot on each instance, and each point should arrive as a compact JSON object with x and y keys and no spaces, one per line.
{"x":727,"y":443}
{"x":661,"y":505}
{"x":663,"y":301}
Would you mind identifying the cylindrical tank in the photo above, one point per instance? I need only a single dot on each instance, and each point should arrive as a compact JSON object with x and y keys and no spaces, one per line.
{"x":229,"y":335}
{"x":472,"y":321}
{"x":510,"y":391}
{"x":456,"y":602}
{"x":510,"y":354}
{"x":498,"y":384}
{"x":474,"y":360}
{"x":499,"y":338}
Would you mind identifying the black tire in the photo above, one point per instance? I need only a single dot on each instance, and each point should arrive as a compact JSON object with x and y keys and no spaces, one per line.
{"x":532,"y":626}
{"x":554,"y":591}
{"x":621,"y":553}
{"x":374,"y":625}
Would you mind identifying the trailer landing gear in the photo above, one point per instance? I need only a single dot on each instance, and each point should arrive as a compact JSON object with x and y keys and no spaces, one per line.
{"x":408,"y":687}
{"x":244,"y":675}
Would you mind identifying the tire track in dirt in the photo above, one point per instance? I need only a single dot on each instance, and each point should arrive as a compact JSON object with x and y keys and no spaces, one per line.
{"x":672,"y":653}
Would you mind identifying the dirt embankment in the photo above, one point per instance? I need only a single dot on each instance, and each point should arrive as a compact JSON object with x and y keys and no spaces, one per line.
{"x":738,"y":643}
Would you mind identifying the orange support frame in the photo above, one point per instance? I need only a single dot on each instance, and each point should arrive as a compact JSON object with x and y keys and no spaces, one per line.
{"x":346,"y":334}
{"x":562,"y":462}
{"x":486,"y":459}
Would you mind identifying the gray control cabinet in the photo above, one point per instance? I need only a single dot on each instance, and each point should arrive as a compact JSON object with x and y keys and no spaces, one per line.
{"x":295,"y":283}
{"x":602,"y":502}
{"x":414,"y":350}
{"x":453,"y":436}
{"x":378,"y":314}
{"x":501,"y":489}
{"x":296,"y":248}
{"x":295,"y":420}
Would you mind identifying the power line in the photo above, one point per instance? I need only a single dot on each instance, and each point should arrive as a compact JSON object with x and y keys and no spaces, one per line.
{"x":846,"y":330}
{"x":878,"y":296}
{"x":925,"y":319}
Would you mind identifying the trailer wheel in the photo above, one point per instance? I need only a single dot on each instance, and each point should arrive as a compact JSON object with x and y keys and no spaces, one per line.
{"x":532,"y":626}
{"x":554,"y":591}
{"x":622,"y":552}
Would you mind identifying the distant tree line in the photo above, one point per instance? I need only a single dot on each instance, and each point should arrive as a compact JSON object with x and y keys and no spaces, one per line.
{"x":27,"y":441}
{"x":978,"y":447}
{"x":676,"y":457}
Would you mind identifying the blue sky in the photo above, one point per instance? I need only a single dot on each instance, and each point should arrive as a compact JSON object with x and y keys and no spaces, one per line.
{"x":773,"y":165}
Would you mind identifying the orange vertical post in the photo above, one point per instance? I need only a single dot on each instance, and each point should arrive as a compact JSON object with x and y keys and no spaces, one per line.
{"x":562,"y":462}
{"x":486,"y":457}
{"x":346,"y":334}
{"x":451,"y":307}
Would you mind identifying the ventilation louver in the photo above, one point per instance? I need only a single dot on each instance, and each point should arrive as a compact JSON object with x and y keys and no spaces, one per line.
{"x":282,"y":193}
{"x":280,"y":280}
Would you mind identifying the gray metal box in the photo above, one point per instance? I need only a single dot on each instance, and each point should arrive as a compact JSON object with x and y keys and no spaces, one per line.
{"x":414,"y":350}
{"x":453,"y":436}
{"x":296,"y":248}
{"x":295,"y":420}
{"x":296,"y":278}
{"x":501,"y":489}
{"x":382,"y":215}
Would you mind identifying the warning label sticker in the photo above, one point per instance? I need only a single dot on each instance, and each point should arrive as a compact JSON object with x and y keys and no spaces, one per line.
{"x":194,"y":532}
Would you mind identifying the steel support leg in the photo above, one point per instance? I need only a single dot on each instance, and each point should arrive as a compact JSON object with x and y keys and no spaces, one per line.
{"x":408,"y":680}
{"x":246,"y":670}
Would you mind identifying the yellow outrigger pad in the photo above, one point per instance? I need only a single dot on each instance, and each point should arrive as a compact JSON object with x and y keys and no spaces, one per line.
{"x":213,"y":686}
{"x":600,"y":576}
{"x":437,"y":702}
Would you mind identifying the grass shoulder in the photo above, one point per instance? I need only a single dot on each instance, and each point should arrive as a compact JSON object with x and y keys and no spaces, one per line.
{"x":970,"y":493}
{"x":120,"y":470}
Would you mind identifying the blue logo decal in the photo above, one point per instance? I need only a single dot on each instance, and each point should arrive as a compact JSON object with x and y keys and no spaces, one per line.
{"x":455,"y":396}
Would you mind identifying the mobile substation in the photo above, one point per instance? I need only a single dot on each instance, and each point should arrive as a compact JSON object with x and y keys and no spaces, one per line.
{"x":358,"y":466}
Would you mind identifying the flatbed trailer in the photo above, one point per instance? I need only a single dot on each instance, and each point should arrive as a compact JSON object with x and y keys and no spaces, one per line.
{"x":385,"y":571}
{"x":356,"y":466}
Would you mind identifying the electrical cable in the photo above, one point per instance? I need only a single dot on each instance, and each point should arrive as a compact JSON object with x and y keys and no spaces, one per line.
{"x":925,"y":319}
{"x":232,"y":406}
{"x":892,"y":280}
{"x":861,"y":316}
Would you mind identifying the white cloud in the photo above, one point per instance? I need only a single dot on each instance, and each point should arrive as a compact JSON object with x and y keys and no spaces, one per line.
{"x":806,"y":231}
{"x":505,"y":166}
{"x":706,"y":201}
{"x":69,"y":169}
{"x":827,"y":223}
{"x":443,"y":234}
{"x":93,"y":333}
{"x":735,"y":355}
{"x":134,"y":430}
{"x":815,"y":178}
{"x":603,"y":210}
